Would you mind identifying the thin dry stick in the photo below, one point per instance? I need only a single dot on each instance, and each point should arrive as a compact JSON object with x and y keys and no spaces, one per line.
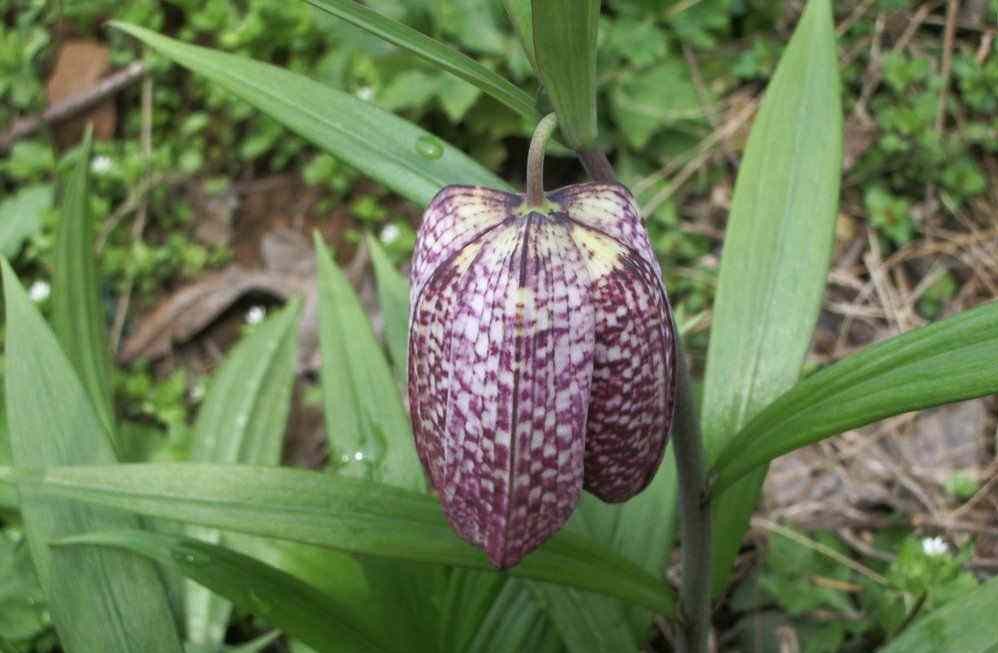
{"x":140,"y":223}
{"x":948,"y":36}
{"x":74,"y":105}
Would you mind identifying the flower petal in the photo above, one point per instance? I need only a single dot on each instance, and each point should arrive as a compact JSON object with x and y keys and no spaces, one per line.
{"x":457,"y":216}
{"x":634,"y":383}
{"x":501,"y":357}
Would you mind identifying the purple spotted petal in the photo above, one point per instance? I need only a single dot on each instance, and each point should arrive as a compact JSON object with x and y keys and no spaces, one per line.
{"x":540,"y":359}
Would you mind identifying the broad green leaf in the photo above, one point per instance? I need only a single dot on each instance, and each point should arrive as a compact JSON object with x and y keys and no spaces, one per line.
{"x":393,"y":297}
{"x":348,"y":514}
{"x":438,"y":54}
{"x":22,"y":602}
{"x":282,"y":600}
{"x":520,"y":13}
{"x":967,"y":625}
{"x":21,"y":216}
{"x":242,"y":420}
{"x":948,"y":361}
{"x":369,"y":432}
{"x":565,"y":53}
{"x":776,"y":254}
{"x":78,"y":317}
{"x":400,"y":155}
{"x":100,"y":600}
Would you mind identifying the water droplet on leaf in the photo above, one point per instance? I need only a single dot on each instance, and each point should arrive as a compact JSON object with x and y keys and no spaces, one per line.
{"x":187,"y":555}
{"x":429,"y":147}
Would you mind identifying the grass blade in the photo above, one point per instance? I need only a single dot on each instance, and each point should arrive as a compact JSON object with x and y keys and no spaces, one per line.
{"x":520,"y":13}
{"x":338,"y":512}
{"x":78,"y":318}
{"x":100,"y":600}
{"x":400,"y":155}
{"x":776,"y":255}
{"x":565,"y":51}
{"x":967,"y":625}
{"x":242,"y":420}
{"x":941,"y":363}
{"x":282,"y":600}
{"x":393,"y":297}
{"x":366,"y":420}
{"x":436,"y":53}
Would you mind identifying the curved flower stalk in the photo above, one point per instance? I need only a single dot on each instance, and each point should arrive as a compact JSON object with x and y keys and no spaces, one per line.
{"x":541,"y":358}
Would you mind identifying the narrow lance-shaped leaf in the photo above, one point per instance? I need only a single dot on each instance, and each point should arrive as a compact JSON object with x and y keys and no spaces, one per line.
{"x":301,"y":610}
{"x":436,"y":53}
{"x":365,"y":418}
{"x":944,"y":362}
{"x":343,"y":513}
{"x":403,"y":157}
{"x":242,"y":420}
{"x":565,"y":58}
{"x":776,"y":254}
{"x":393,"y":298}
{"x":21,"y":216}
{"x":520,"y":13}
{"x":78,"y":317}
{"x":966,"y":624}
{"x":100,"y":600}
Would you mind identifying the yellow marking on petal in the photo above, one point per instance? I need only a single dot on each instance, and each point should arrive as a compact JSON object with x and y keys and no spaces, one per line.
{"x":463,"y":260}
{"x":602,"y":254}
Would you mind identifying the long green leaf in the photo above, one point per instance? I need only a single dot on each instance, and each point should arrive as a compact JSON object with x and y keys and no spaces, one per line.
{"x":284,"y":601}
{"x":393,"y":297}
{"x":776,"y":255}
{"x":403,"y":157}
{"x":965,"y":625}
{"x":520,"y":13}
{"x":941,"y":363}
{"x":366,"y":420}
{"x":438,"y":54}
{"x":565,"y":51}
{"x":343,"y":513}
{"x":100,"y":600}
{"x":242,"y":420}
{"x":78,"y":318}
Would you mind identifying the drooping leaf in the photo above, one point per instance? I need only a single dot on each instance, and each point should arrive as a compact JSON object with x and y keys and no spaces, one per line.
{"x":242,"y":420}
{"x":100,"y":600}
{"x":438,"y":54}
{"x":948,"y":361}
{"x":365,"y":418}
{"x":565,"y":58}
{"x":79,"y":319}
{"x":21,"y":216}
{"x":776,"y":254}
{"x":349,"y":514}
{"x":520,"y":13}
{"x":284,"y":601}
{"x":393,"y":297}
{"x":967,"y":625}
{"x":400,"y":155}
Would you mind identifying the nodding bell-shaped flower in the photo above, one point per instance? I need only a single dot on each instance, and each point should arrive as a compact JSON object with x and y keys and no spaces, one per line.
{"x":541,"y":357}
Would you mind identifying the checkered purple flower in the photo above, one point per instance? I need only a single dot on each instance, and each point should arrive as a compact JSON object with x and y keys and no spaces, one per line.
{"x":541,"y":359}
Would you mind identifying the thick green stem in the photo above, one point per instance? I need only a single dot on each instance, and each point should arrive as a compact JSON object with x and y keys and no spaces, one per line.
{"x":535,"y":160}
{"x":694,"y":515}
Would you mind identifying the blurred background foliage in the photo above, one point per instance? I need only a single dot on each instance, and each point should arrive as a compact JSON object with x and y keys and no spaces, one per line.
{"x":176,"y":184}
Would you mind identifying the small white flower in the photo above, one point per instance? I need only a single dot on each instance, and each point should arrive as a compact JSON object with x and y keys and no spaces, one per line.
{"x":358,"y":456}
{"x":934,"y":546}
{"x":365,"y":93}
{"x":39,"y":291}
{"x":255,"y":315}
{"x":390,"y":234}
{"x":101,"y":164}
{"x":198,"y":391}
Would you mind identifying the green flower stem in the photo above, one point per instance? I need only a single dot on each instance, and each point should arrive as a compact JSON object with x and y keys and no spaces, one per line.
{"x":694,"y":515}
{"x":535,"y":160}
